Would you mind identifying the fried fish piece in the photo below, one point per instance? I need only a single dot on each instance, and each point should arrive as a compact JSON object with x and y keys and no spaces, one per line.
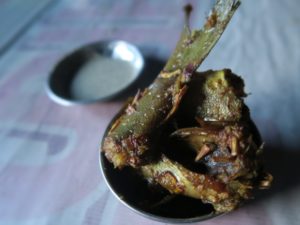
{"x":227,"y":144}
{"x":135,"y":132}
{"x":211,"y":120}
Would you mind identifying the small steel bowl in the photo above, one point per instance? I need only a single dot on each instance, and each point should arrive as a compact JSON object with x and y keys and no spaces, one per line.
{"x":134,"y":192}
{"x":60,"y":79}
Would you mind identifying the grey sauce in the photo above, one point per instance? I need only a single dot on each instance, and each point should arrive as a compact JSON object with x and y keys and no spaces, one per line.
{"x":102,"y":77}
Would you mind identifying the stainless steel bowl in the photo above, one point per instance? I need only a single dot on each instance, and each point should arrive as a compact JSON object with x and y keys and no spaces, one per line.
{"x":60,"y":80}
{"x":134,"y":192}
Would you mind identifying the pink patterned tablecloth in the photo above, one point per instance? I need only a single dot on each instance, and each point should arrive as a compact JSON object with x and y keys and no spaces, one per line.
{"x":49,"y":171}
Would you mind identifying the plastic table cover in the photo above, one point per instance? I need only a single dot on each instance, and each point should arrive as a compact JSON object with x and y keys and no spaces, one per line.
{"x":49,"y":171}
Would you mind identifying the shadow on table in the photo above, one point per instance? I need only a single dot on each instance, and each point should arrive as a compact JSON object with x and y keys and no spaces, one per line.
{"x":283,"y":163}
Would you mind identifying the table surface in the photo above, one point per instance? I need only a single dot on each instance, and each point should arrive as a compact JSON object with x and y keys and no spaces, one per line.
{"x":49,"y":172}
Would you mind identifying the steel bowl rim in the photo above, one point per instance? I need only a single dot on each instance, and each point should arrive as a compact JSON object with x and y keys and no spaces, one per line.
{"x":68,"y":101}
